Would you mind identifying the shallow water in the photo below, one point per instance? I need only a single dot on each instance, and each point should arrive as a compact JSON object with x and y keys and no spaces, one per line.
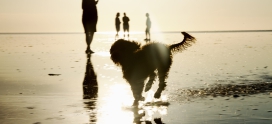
{"x":222,"y":78}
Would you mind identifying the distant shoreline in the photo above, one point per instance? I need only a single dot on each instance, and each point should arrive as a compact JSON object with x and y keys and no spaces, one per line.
{"x":219,"y":31}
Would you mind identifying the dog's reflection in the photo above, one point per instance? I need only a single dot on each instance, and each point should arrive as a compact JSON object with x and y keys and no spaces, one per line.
{"x":90,"y":89}
{"x":138,"y":116}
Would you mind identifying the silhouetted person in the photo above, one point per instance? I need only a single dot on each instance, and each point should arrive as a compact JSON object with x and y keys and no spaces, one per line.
{"x":125,"y":24}
{"x":117,"y":24}
{"x":89,"y":20}
{"x":90,"y":89}
{"x":148,"y":26}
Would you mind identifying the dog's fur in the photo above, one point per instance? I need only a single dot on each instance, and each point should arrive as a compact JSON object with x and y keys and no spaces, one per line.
{"x":139,"y":62}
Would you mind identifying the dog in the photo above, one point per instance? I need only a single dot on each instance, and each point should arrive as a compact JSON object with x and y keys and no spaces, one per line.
{"x":140,"y":62}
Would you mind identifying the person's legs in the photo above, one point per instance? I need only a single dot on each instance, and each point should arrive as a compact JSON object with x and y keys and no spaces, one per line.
{"x":128,"y":30}
{"x":117,"y":32}
{"x":147,"y":34}
{"x":146,"y":31}
{"x":124,"y":27}
{"x":89,"y":39}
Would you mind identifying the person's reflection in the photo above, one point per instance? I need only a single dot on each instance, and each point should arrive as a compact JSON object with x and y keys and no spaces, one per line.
{"x":90,"y":89}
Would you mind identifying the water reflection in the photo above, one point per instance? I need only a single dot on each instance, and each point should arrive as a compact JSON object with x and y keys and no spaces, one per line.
{"x":151,"y":110}
{"x":143,"y":117}
{"x":90,"y":89}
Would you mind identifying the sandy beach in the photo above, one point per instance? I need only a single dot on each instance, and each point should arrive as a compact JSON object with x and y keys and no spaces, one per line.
{"x":222,"y":78}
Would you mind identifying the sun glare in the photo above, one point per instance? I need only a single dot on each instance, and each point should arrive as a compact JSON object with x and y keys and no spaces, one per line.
{"x":113,"y":104}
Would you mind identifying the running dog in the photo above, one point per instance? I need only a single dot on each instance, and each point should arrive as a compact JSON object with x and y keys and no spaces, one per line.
{"x":140,"y":62}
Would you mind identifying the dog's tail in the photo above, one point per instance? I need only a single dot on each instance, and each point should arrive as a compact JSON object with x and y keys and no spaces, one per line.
{"x":185,"y":43}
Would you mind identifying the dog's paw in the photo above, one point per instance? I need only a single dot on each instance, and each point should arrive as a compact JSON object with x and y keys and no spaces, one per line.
{"x":157,"y":95}
{"x":142,"y":99}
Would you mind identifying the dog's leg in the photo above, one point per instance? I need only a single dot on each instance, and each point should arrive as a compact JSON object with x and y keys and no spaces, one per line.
{"x":149,"y":84}
{"x":162,"y":85}
{"x":137,"y":89}
{"x":163,"y":73}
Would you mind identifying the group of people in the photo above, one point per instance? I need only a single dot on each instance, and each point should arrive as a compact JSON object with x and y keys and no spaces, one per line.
{"x":90,"y":17}
{"x":126,"y":25}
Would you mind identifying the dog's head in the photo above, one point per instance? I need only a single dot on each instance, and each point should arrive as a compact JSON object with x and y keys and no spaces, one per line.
{"x":121,"y":49}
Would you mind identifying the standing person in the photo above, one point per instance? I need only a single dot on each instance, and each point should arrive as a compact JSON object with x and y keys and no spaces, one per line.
{"x":117,"y":24}
{"x":148,"y":26}
{"x":89,"y":20}
{"x":125,"y":24}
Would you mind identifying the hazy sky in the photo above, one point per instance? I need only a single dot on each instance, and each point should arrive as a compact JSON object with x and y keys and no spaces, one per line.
{"x":165,"y":15}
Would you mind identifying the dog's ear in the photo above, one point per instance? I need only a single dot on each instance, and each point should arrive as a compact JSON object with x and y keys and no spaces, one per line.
{"x":115,"y":57}
{"x":115,"y":54}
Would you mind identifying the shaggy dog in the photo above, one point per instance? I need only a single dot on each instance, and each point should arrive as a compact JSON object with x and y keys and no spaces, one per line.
{"x":140,"y":62}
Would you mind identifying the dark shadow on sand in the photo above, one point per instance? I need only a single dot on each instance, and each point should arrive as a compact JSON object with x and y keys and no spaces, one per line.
{"x":262,"y":83}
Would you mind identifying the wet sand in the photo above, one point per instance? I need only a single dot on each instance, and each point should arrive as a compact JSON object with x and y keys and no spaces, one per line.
{"x":223,"y":78}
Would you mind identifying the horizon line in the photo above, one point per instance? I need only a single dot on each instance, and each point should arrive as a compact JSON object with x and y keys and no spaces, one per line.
{"x":139,"y":32}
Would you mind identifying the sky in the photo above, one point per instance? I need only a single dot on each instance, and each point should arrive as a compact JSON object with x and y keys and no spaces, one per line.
{"x":165,"y":15}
